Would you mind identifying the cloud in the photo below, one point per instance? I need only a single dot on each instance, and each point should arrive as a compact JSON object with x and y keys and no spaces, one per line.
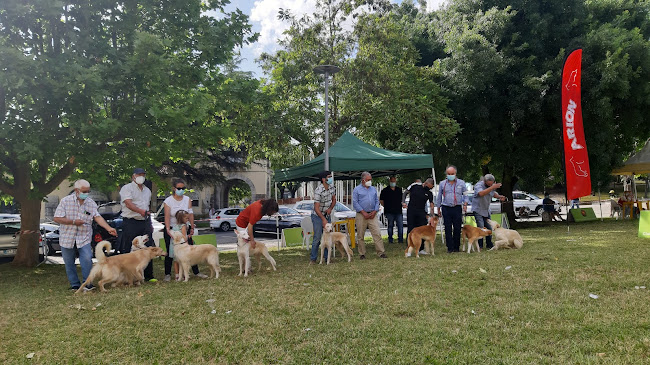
{"x":265,"y":13}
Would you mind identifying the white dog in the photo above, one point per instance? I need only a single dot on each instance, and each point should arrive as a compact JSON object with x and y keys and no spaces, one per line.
{"x":244,"y":252}
{"x":138,"y":243}
{"x":331,"y":239}
{"x":505,"y":238}
{"x":187,"y":256}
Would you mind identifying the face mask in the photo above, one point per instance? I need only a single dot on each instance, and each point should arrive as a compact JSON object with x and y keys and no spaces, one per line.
{"x":330,"y":180}
{"x":180,"y":192}
{"x":139,"y":180}
{"x":392,"y":185}
{"x":368,"y":183}
{"x":83,"y":196}
{"x":451,"y":177}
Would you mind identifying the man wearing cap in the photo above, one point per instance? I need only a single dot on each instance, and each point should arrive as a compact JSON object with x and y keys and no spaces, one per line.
{"x":135,"y":198}
{"x":324,"y":202}
{"x":484,"y":190}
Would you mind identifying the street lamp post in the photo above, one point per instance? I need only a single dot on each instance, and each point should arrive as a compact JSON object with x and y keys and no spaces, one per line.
{"x":327,"y":70}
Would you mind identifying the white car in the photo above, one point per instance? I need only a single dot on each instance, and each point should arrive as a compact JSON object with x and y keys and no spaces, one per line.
{"x":224,"y":218}
{"x":340,"y":210}
{"x":530,"y":201}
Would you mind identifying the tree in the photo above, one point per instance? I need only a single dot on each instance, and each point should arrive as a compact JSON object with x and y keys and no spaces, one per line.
{"x":99,"y":87}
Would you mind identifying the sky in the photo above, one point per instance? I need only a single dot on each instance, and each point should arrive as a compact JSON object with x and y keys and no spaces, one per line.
{"x":263,"y":17}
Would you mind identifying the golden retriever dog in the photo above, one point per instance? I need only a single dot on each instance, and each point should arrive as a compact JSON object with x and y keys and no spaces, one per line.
{"x":126,"y":268}
{"x":470,"y":236}
{"x":187,"y":256}
{"x":505,"y":238}
{"x":330,"y":239}
{"x":138,"y":243}
{"x":244,"y":251}
{"x":426,"y":233}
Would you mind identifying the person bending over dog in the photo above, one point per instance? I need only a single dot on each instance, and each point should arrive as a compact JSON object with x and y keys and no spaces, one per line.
{"x":484,"y":190}
{"x":252,"y":214}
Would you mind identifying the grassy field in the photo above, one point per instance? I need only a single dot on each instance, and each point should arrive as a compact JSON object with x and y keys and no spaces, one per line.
{"x":441,"y":309}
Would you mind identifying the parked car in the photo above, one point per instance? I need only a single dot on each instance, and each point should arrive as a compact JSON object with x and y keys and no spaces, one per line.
{"x":9,"y":236}
{"x":50,"y":232}
{"x":9,"y":216}
{"x":340,"y":210}
{"x":495,"y":205}
{"x":224,"y":219}
{"x":287,"y":218}
{"x":530,"y":201}
{"x":112,"y":213}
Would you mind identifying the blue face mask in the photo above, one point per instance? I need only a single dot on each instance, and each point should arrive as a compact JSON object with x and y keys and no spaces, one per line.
{"x":451,"y":177}
{"x":180,"y":192}
{"x":392,"y":185}
{"x":330,"y":180}
{"x":83,"y":196}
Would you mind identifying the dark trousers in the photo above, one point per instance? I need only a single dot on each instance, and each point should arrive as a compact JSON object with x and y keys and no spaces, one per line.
{"x":453,"y":219}
{"x":169,"y":260}
{"x":395,"y":219}
{"x":415,"y":218}
{"x":482,"y":222}
{"x":132,"y":228}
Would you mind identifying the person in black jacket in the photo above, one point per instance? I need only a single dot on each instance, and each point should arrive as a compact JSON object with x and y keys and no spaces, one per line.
{"x":416,"y":214}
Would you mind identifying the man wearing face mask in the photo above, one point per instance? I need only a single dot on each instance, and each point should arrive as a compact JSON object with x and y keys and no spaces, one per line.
{"x":324,"y":202}
{"x":391,"y":199}
{"x":451,"y":200}
{"x":135,"y":198}
{"x":366,"y":202}
{"x":75,"y":214}
{"x":416,"y":214}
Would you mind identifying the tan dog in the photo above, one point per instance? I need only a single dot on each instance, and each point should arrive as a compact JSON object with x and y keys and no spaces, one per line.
{"x":330,"y":239}
{"x":470,"y":236}
{"x":244,"y":252}
{"x":187,"y":256}
{"x":505,"y":238}
{"x":426,"y":233}
{"x":138,"y":243}
{"x":126,"y":268}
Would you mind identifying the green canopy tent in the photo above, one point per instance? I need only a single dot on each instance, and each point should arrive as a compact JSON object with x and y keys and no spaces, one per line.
{"x":350,"y":156}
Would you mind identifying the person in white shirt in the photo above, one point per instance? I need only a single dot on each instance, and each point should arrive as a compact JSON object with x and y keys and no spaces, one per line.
{"x":135,"y":198}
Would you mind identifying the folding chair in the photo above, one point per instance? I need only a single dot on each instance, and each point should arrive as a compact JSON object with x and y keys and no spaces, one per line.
{"x":307,"y":232}
{"x":292,"y":236}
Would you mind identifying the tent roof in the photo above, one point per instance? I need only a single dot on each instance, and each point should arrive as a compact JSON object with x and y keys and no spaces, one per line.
{"x":637,"y":164}
{"x":349,"y":156}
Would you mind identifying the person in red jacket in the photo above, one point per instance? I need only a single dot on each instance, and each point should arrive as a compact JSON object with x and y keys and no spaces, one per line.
{"x":253,"y":213}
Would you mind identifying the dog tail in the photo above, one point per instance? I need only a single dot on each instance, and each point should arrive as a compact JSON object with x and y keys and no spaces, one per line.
{"x":409,"y":245}
{"x":99,"y":251}
{"x":93,"y":272}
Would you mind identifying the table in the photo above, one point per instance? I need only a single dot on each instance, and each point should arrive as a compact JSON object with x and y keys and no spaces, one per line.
{"x":349,"y":225}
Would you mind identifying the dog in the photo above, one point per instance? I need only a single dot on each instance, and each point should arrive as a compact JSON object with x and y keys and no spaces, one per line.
{"x":120,"y":269}
{"x":615,"y":209}
{"x":187,"y":256}
{"x":470,"y":236}
{"x":138,"y":243}
{"x":244,"y":251}
{"x":505,"y":238}
{"x":331,"y":239}
{"x":426,"y":233}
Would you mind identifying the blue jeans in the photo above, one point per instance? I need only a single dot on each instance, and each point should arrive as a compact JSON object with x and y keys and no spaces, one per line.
{"x":482,"y":222}
{"x":392,"y":219}
{"x":85,"y":259}
{"x":318,"y":233}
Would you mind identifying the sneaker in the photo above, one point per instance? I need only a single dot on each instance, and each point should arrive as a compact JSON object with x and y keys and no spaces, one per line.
{"x":383,"y":256}
{"x":89,"y":287}
{"x":201,"y":275}
{"x":74,"y":287}
{"x":362,"y":257}
{"x":423,"y":252}
{"x":312,"y":262}
{"x":153,"y":280}
{"x":167,"y":278}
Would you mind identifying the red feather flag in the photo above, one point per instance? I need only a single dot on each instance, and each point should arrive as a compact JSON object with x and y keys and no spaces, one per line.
{"x":576,"y":160}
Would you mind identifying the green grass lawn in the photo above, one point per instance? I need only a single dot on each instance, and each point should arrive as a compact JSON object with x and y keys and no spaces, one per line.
{"x":440,"y":309}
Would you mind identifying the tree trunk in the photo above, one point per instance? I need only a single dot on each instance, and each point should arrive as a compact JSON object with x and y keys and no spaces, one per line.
{"x":507,"y":186}
{"x":30,"y":215}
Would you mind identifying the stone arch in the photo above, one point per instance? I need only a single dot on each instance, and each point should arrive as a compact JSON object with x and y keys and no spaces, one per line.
{"x":222,"y":190}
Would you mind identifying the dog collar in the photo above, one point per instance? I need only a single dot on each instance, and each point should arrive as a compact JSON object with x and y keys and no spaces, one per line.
{"x":180,"y":243}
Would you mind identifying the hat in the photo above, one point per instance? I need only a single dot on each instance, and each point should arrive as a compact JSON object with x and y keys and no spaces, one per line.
{"x":323,"y":174}
{"x":139,"y":170}
{"x":611,"y":191}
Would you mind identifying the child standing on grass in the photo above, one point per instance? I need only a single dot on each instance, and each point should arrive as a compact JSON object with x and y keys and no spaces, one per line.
{"x":182,"y":219}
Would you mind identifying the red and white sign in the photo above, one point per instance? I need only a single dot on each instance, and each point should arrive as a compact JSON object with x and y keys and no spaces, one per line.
{"x":576,"y":159}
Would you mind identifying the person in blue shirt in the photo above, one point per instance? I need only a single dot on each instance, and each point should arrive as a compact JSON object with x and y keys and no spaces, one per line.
{"x":452,"y":203}
{"x":366,"y":202}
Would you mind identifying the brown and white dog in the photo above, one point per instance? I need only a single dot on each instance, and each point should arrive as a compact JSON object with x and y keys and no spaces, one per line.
{"x":138,"y":243}
{"x":244,"y":251}
{"x":187,"y":256}
{"x":426,"y":233}
{"x":120,"y":269}
{"x":330,"y":239}
{"x":470,"y":236}
{"x":505,"y":238}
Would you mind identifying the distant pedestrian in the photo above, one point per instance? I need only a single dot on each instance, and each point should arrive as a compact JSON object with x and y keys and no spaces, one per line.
{"x":575,"y":203}
{"x":484,"y":190}
{"x":391,"y":199}
{"x":366,"y":202}
{"x":75,"y":214}
{"x":548,"y":205}
{"x":451,"y":200}
{"x":416,"y":214}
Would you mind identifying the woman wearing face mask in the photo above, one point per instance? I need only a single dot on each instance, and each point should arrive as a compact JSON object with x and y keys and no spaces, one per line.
{"x":178,"y":201}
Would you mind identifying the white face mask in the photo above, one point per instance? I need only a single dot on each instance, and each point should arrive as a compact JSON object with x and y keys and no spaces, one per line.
{"x":139,"y":180}
{"x":368,"y":183}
